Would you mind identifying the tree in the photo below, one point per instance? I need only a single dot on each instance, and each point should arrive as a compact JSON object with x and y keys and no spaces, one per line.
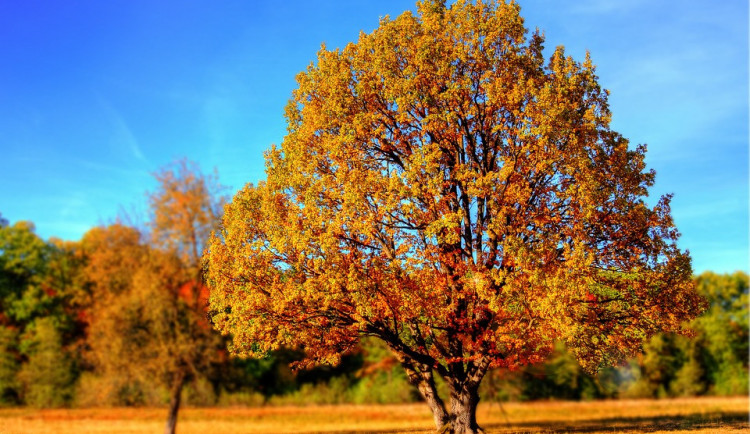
{"x":116,"y":333}
{"x":49,"y":375}
{"x":444,"y":189}
{"x":39,"y":332}
{"x":144,"y":330}
{"x":723,"y":331}
{"x":186,"y":207}
{"x":23,"y":266}
{"x":9,"y":366}
{"x":148,"y":320}
{"x":715,"y":360}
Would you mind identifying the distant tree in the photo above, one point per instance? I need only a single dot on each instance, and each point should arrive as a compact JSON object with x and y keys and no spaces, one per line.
{"x":690,"y":378}
{"x":114,"y":255}
{"x":23,"y":261}
{"x":444,"y":189}
{"x":381,"y":378}
{"x":714,"y":360}
{"x":561,"y":377}
{"x":186,"y":207}
{"x":655,"y":369}
{"x":48,"y":377}
{"x":143,"y":331}
{"x":36,"y":317}
{"x":65,"y":281}
{"x":723,"y":331}
{"x":148,"y":321}
{"x":23,"y":265}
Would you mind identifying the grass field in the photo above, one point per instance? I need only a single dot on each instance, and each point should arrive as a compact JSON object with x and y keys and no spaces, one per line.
{"x":624,"y":416}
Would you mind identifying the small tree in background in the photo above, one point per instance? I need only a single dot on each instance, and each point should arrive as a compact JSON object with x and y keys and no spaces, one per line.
{"x":445,"y":189}
{"x":118,"y":333}
{"x":149,"y":319}
{"x":724,"y":329}
{"x":186,"y":207}
{"x":23,"y":262}
{"x":9,"y":366}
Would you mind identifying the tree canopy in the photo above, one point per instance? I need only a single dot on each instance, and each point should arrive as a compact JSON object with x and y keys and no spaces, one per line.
{"x":184,"y":210}
{"x":446,"y":189}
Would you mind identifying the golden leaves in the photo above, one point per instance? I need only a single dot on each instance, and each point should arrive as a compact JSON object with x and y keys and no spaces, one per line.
{"x":442,"y":184}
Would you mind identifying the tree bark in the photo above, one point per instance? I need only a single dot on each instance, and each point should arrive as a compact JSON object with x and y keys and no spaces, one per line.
{"x":174,"y":403}
{"x":425,"y":383}
{"x":464,"y":403}
{"x":465,"y":398}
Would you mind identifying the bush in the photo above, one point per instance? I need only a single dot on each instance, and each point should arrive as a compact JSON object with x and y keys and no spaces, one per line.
{"x":199,"y":393}
{"x":49,"y":375}
{"x":241,"y":399}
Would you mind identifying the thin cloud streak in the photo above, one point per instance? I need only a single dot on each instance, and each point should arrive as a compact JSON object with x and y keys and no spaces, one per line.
{"x":122,"y":135}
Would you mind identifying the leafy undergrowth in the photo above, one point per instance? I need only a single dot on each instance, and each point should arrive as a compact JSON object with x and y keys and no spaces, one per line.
{"x":624,"y":416}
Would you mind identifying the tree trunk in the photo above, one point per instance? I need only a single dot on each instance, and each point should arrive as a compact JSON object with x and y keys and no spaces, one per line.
{"x":464,"y":410}
{"x":464,"y":386}
{"x":425,"y":383}
{"x":174,"y":404}
{"x":429,"y":393}
{"x":465,"y":398}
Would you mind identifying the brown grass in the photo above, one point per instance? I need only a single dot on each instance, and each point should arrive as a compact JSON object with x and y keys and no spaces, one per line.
{"x":624,"y":416}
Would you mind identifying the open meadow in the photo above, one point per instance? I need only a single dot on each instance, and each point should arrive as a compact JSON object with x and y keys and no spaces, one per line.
{"x":625,"y":416}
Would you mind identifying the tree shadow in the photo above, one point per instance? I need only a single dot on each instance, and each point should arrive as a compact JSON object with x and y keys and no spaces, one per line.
{"x":690,"y":422}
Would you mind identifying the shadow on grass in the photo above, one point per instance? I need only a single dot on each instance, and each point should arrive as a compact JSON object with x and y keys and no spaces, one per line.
{"x":690,"y":422}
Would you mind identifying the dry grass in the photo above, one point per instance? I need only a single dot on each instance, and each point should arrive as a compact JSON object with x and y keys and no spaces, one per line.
{"x":625,"y":416}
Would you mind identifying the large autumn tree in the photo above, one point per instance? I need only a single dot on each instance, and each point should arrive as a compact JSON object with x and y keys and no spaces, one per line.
{"x":446,"y":189}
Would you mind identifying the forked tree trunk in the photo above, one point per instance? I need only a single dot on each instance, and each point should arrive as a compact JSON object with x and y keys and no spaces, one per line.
{"x":462,"y":418}
{"x":174,"y":404}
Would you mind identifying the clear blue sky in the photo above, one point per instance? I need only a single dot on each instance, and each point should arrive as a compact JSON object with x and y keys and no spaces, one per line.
{"x":96,"y":95}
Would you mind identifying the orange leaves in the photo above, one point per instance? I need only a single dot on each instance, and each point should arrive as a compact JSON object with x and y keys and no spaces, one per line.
{"x":185,"y":208}
{"x":443,"y":188}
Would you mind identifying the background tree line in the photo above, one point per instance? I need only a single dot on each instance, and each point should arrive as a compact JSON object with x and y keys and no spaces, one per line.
{"x":118,"y":318}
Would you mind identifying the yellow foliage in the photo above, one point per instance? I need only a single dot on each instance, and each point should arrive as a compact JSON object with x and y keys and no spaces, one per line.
{"x":446,"y":189}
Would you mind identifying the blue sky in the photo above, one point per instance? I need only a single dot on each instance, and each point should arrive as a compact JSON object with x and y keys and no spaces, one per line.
{"x":97,"y":95}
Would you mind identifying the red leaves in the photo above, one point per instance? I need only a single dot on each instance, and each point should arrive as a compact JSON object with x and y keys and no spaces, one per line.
{"x":195,"y":294}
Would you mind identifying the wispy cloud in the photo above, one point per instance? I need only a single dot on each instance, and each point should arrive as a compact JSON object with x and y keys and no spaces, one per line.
{"x":122,"y":135}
